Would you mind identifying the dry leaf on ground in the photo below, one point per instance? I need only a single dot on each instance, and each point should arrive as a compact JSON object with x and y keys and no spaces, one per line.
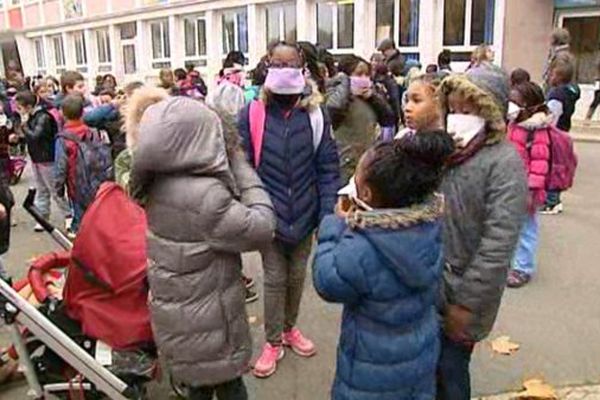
{"x":537,"y":389}
{"x":503,"y":345}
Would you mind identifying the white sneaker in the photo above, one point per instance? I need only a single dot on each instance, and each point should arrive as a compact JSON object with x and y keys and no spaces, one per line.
{"x":38,"y":228}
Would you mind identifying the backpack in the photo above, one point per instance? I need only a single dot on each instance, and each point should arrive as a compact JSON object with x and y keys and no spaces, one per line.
{"x":94,"y":165}
{"x":258,"y":117}
{"x":563,"y":160}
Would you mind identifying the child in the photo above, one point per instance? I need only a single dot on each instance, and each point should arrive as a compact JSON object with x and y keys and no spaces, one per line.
{"x":486,"y":202}
{"x":203,"y":211}
{"x":299,"y":167}
{"x":528,"y":131}
{"x":39,"y":129}
{"x":562,"y":98}
{"x":67,"y":154}
{"x":422,"y":109}
{"x":71,"y":82}
{"x":383,"y":260}
{"x":596,"y":101}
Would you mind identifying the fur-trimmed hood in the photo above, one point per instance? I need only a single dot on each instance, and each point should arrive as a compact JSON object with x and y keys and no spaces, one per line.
{"x":309,"y":101}
{"x":134,"y":110}
{"x":537,"y":121}
{"x":489,"y":108}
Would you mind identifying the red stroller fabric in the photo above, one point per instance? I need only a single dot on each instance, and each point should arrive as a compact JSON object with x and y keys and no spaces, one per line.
{"x":106,"y":288}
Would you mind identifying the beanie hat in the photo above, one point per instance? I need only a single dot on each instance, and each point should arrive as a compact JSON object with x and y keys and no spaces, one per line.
{"x":492,"y":80}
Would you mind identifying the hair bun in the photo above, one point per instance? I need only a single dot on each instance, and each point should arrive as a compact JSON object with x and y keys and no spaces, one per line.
{"x":429,"y":147}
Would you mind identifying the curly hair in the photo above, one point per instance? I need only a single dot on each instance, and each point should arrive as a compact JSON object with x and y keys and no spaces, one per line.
{"x":405,"y":172}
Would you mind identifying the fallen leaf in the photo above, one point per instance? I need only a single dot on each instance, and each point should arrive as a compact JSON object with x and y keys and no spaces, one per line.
{"x":503,"y":345}
{"x":252,"y":320}
{"x":537,"y":389}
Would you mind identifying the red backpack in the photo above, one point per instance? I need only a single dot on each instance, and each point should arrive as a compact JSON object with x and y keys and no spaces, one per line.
{"x":563,"y":160}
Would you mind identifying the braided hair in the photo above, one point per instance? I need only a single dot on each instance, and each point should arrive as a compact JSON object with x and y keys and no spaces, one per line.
{"x":405,"y":172}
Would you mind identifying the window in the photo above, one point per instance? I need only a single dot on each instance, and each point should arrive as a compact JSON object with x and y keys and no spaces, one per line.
{"x":335,"y":24}
{"x":585,"y":33}
{"x":80,"y":51}
{"x":195,"y":40}
{"x":39,"y":53}
{"x":59,"y":51}
{"x":128,"y":33}
{"x":104,"y":54}
{"x":281,"y":23}
{"x":398,"y":13}
{"x":481,"y":15}
{"x":161,"y":46}
{"x":235,"y":30}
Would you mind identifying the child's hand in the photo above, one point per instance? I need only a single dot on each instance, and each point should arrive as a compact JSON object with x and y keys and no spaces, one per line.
{"x":13,"y":138}
{"x":456,"y":322}
{"x":343,"y":206}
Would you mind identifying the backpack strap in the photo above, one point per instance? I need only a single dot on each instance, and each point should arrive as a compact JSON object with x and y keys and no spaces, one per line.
{"x":257,"y":118}
{"x":317,"y":123}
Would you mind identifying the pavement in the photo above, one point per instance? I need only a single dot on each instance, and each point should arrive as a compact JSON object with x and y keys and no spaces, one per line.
{"x":555,"y":319}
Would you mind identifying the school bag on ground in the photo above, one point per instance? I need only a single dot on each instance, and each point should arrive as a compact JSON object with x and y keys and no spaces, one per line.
{"x":258,"y":118}
{"x":563,"y":160}
{"x":93,"y":166}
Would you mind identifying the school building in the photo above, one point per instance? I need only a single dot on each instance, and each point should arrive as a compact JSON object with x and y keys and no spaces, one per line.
{"x":134,"y":39}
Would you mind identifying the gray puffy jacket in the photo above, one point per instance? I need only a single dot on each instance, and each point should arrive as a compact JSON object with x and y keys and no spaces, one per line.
{"x":203,"y":211}
{"x":486,"y":203}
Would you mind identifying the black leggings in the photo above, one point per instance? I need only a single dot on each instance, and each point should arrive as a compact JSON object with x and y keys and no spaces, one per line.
{"x":596,"y":102}
{"x":232,"y":390}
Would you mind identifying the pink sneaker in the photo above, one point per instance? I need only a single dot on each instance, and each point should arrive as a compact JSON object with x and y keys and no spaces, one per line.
{"x":298,"y":343}
{"x":266,"y":365}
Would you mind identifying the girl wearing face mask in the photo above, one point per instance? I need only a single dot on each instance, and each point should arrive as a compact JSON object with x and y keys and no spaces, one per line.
{"x":357,"y":111}
{"x":287,"y":138}
{"x":486,"y":203}
{"x":383,"y":261}
{"x":530,"y":119}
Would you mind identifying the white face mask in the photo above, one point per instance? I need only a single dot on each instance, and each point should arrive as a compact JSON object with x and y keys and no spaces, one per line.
{"x":513,"y":111}
{"x":465,"y":126}
{"x":352,"y":193}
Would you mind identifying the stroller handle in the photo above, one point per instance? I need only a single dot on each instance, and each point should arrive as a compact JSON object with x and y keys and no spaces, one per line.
{"x":30,"y":207}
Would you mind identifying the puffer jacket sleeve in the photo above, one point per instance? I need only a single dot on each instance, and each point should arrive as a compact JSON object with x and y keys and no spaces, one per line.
{"x":338,"y":274}
{"x":42,"y":126}
{"x":506,"y":207}
{"x":244,"y":131}
{"x":328,"y":171}
{"x":337,"y":97}
{"x":247,"y":224}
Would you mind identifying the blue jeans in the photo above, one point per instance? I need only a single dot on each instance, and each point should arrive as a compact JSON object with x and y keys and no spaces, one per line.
{"x":552,"y":198}
{"x":453,"y":377}
{"x":524,"y":259}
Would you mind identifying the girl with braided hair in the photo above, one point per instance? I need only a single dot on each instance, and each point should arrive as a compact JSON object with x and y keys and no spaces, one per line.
{"x":382,"y":259}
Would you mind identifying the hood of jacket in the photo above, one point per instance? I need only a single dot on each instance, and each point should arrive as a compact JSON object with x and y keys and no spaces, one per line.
{"x":311,"y":100}
{"x":489,"y":108}
{"x":134,"y":109}
{"x":407,"y":251}
{"x":181,"y":136}
{"x":537,"y":121}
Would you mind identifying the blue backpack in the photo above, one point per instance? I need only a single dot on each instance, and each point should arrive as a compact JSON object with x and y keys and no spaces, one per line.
{"x":94,"y":165}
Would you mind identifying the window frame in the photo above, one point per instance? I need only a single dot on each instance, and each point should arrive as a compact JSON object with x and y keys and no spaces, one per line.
{"x":335,"y":49}
{"x":396,"y":31}
{"x":236,"y":31}
{"x":198,"y":59}
{"x":103,"y":66}
{"x":281,"y":21}
{"x":132,"y":41}
{"x":76,"y":36}
{"x":59,"y":66}
{"x":165,"y":41}
{"x":466,"y":46}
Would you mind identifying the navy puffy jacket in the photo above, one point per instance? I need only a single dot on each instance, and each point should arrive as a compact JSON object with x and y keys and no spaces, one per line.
{"x":388,"y":281}
{"x":302,"y":183}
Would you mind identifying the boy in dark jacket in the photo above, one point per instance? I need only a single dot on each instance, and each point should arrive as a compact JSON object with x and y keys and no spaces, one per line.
{"x":39,"y":130}
{"x":299,"y":169}
{"x":561,"y":99}
{"x":383,"y":260}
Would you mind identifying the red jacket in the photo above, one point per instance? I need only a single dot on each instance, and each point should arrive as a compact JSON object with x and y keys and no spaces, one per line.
{"x":532,"y":141}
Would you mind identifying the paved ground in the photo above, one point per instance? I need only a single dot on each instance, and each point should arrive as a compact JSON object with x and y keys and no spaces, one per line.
{"x":555,"y":319}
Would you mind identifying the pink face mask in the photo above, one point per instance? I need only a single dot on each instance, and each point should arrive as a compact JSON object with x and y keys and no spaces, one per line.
{"x":285,"y":81}
{"x":360,"y":83}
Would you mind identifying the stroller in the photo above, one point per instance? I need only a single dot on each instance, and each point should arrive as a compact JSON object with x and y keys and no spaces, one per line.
{"x":96,"y":340}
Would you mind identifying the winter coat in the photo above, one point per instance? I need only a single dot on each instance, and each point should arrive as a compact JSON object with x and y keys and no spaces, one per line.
{"x":567,"y":95}
{"x":486,"y":204}
{"x":532,"y":141}
{"x":395,"y":63}
{"x":203,"y":211}
{"x":302,"y":182}
{"x":385,"y":267}
{"x":392,"y":92}
{"x":356,"y":122}
{"x":65,"y":167}
{"x":557,"y":52}
{"x":8,"y":201}
{"x":40,"y":131}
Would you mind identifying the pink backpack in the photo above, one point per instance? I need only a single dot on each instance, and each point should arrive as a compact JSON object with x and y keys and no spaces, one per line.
{"x":258,"y":118}
{"x":563,"y":160}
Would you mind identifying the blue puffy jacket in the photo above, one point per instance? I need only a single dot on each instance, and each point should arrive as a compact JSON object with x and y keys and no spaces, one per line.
{"x":302,"y":183}
{"x":386,"y":270}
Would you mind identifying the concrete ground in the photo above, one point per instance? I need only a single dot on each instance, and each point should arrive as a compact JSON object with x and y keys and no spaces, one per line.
{"x":555,"y":318}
